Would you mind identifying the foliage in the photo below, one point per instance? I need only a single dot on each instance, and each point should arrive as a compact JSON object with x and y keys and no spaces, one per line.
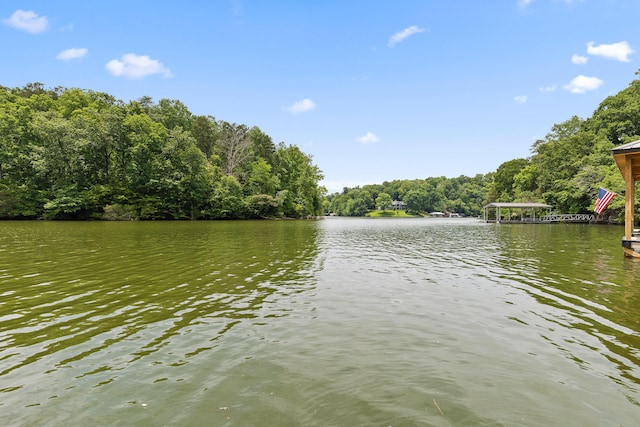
{"x":463,"y":195}
{"x":79,"y":154}
{"x":390,"y":214}
{"x":569,"y":165}
{"x":383,"y":201}
{"x":565,"y":170}
{"x":117,"y":212}
{"x":298,"y":177}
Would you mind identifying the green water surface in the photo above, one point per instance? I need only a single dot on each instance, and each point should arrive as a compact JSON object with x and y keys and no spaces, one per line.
{"x":338,"y":322}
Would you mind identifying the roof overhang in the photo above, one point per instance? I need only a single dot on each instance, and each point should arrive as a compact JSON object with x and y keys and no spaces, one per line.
{"x":628,"y":155}
{"x":517,"y":205}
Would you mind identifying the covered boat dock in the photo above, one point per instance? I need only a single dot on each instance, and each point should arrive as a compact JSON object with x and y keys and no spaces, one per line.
{"x":627,"y":159}
{"x":525,"y":212}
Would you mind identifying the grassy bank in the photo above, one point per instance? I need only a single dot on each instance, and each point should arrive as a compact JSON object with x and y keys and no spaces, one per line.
{"x":391,"y":214}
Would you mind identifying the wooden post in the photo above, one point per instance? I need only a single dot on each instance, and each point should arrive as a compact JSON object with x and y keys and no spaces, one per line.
{"x":631,"y":247}
{"x":629,"y":200}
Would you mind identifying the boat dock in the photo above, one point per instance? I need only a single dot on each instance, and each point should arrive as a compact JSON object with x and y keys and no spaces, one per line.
{"x":530,"y":213}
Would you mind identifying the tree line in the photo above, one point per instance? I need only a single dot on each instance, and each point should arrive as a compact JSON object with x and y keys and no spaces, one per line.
{"x":565,"y":170}
{"x":464,"y":195}
{"x":80,"y":154}
{"x":574,"y":159}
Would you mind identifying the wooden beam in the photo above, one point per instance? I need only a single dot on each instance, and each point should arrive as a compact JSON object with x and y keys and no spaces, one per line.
{"x":631,"y":253}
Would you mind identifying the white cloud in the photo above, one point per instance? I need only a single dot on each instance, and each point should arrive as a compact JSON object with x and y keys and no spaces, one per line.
{"x":27,"y":20}
{"x":302,"y":106}
{"x":550,"y":88}
{"x":368,"y":138}
{"x":73,"y":53}
{"x":579,"y":60}
{"x":582,"y":84}
{"x":400,"y":36}
{"x":134,"y":66}
{"x":619,"y":51}
{"x":522,"y":99}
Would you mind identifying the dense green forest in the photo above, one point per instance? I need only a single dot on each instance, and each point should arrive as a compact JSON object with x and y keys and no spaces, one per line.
{"x":462,"y":195}
{"x":564,"y":170}
{"x":79,"y":154}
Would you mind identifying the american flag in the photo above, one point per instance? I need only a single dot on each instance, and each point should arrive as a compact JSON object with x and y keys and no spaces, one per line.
{"x":604,"y":198}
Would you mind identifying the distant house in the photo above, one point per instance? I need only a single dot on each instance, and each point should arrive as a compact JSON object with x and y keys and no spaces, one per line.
{"x":398,"y":205}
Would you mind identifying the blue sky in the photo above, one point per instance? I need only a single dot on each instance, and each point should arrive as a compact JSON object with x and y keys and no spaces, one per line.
{"x":374,"y":90}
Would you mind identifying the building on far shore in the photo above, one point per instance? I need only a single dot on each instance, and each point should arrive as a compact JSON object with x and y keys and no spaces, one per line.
{"x":399,"y":205}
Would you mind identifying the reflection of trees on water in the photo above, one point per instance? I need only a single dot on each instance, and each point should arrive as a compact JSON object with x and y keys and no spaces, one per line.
{"x":580,"y":270}
{"x":102,"y":296}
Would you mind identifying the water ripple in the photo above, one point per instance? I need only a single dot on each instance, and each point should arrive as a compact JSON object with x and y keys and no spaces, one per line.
{"x":337,"y":322}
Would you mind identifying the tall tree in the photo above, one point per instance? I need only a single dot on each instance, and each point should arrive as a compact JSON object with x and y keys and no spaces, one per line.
{"x":262,"y":144}
{"x":234,"y":148}
{"x":505,"y":176}
{"x":383,"y":201}
{"x":299,"y":179}
{"x":171,"y":113}
{"x":416,"y":200}
{"x":206,"y":131}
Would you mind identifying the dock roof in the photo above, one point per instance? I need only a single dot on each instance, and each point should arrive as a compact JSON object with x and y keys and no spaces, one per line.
{"x":630,"y":147}
{"x":517,"y":205}
{"x":628,"y":155}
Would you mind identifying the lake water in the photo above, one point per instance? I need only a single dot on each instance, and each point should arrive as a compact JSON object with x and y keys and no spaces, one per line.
{"x":338,"y":322}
